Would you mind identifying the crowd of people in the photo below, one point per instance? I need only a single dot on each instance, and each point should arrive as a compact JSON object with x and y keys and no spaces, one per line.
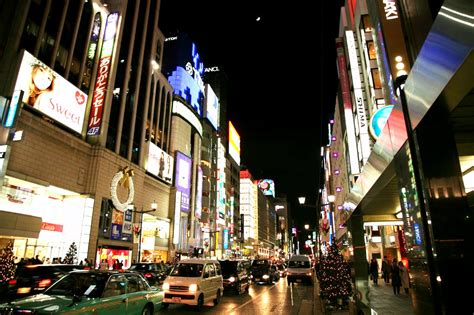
{"x":394,"y":271}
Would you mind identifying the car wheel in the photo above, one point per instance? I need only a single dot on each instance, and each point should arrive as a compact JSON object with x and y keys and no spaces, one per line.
{"x":165,"y":305}
{"x":147,"y":310}
{"x":218,"y":297}
{"x":200,"y":302}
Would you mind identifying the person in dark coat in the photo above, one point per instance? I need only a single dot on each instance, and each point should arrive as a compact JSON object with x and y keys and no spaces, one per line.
{"x":396,"y":279}
{"x":386,"y":268}
{"x":374,"y":270}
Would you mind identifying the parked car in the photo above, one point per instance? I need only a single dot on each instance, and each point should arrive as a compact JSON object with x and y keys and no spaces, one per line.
{"x":263,"y":270}
{"x":194,"y":282}
{"x":299,"y":269}
{"x":235,"y":275}
{"x":34,"y":279}
{"x":154,"y":273}
{"x":92,"y":292}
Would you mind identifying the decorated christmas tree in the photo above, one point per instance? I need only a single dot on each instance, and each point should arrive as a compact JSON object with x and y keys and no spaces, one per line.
{"x":7,"y":264}
{"x":335,"y":279}
{"x":71,"y":255}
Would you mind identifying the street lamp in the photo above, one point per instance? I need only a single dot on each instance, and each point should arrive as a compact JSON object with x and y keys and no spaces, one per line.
{"x":131,"y":207}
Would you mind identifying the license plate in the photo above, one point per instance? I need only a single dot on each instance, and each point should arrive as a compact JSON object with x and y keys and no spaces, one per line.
{"x":176,"y":299}
{"x":257,"y":279}
{"x":298,"y":280}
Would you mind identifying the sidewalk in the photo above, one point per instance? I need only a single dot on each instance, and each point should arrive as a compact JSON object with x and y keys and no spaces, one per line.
{"x":383,"y":301}
{"x":318,"y":304}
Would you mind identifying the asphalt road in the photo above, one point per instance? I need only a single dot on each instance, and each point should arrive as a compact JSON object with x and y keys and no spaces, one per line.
{"x":278,"y":298}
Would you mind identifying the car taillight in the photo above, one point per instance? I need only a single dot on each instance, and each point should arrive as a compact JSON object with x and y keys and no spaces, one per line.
{"x":148,"y":275}
{"x":12,"y":282}
{"x":44,"y":283}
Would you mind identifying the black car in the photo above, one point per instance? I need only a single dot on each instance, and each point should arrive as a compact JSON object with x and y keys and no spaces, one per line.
{"x":154,"y":273}
{"x":262,"y":270}
{"x":235,"y":275}
{"x":34,"y":279}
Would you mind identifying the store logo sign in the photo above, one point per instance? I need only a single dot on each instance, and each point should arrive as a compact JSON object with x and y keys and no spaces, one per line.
{"x":390,"y":9}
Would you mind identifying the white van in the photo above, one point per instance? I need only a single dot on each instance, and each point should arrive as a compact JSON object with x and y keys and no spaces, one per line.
{"x":299,"y":269}
{"x":194,"y":282}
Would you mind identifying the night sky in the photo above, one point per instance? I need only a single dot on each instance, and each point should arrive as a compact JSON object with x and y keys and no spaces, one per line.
{"x":280,"y":58}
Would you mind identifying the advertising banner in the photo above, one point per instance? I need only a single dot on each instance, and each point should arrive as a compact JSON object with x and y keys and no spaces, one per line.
{"x":183,"y":179}
{"x":116,"y":231}
{"x":212,"y":107}
{"x":234,"y":143}
{"x":198,"y":210}
{"x":267,"y":186}
{"x":50,"y":94}
{"x":110,"y":255}
{"x":159,"y":163}
{"x":102,"y":79}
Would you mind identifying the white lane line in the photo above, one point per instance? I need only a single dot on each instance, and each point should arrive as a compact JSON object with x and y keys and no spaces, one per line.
{"x":291,"y":293}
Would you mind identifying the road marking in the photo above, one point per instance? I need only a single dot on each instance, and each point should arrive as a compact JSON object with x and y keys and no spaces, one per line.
{"x":251,"y":300}
{"x":291,"y":294}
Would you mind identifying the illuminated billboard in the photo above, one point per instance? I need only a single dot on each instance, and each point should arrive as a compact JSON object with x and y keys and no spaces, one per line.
{"x":212,"y":107}
{"x":198,"y":209}
{"x":183,"y":179}
{"x":159,"y":163}
{"x":267,"y":186}
{"x":49,"y":93}
{"x":184,"y":70}
{"x":234,"y":143}
{"x":102,"y":79}
{"x":379,"y":119}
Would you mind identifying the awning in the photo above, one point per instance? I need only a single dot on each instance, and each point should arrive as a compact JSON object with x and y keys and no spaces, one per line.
{"x":19,"y":225}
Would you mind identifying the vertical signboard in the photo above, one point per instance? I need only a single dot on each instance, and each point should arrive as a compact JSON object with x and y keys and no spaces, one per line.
{"x":347,"y":104}
{"x":183,"y":179}
{"x":221,"y":196}
{"x":359,"y":106}
{"x":102,"y":78}
{"x":234,"y":143}
{"x":198,"y":207}
{"x":91,"y":52}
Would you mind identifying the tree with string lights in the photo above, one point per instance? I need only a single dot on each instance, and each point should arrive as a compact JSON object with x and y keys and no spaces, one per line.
{"x":335,"y":279}
{"x":7,"y":263}
{"x":71,"y":256}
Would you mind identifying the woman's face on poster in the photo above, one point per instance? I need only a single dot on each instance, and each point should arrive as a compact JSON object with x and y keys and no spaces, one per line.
{"x":42,"y":79}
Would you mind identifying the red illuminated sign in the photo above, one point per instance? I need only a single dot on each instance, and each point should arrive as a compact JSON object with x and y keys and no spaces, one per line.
{"x":51,"y":227}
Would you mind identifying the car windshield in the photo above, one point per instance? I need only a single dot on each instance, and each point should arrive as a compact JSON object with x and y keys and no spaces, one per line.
{"x":299,"y":264}
{"x":81,"y":284}
{"x":228,"y":267}
{"x":260,"y":263}
{"x":281,"y":267}
{"x":187,"y":270}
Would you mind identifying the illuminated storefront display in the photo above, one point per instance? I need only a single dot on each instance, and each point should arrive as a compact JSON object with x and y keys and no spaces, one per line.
{"x":234,"y":143}
{"x":65,"y":217}
{"x":50,"y":94}
{"x":110,"y":255}
{"x":183,"y":180}
{"x":198,"y":209}
{"x":159,"y":163}
{"x":155,"y":238}
{"x":102,"y":79}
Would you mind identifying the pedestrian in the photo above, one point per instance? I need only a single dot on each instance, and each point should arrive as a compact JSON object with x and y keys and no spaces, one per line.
{"x":386,"y":268}
{"x":374,"y":270}
{"x":404,"y":277}
{"x":104,"y":265}
{"x":396,"y":279}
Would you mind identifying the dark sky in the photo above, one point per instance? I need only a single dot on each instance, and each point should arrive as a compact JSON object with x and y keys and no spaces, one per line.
{"x":282,"y":77}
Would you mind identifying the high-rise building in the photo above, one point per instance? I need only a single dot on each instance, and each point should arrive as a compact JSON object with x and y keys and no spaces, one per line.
{"x":94,"y":152}
{"x":403,"y":69}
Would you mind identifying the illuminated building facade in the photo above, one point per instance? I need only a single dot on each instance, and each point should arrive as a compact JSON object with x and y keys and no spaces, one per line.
{"x":411,"y":56}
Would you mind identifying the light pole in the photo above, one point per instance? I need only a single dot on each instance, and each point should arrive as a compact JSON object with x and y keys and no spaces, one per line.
{"x":131,"y":207}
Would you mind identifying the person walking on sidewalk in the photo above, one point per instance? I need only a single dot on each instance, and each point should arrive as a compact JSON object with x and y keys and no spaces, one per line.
{"x":386,"y":268}
{"x":404,"y":277}
{"x":374,"y":270}
{"x":396,"y":279}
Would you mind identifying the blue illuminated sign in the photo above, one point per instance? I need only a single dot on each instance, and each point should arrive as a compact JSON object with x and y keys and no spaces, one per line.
{"x":184,"y":70}
{"x":226,"y":239}
{"x":13,"y":108}
{"x":379,"y":119}
{"x":416,"y":228}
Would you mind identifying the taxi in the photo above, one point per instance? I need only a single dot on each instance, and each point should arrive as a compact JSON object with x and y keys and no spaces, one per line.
{"x":92,"y":292}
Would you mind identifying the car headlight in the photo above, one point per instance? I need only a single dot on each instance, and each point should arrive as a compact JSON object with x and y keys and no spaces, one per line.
{"x":266,"y":276}
{"x":166,"y":286}
{"x":231,"y":279}
{"x":193,"y":288}
{"x":309,"y":274}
